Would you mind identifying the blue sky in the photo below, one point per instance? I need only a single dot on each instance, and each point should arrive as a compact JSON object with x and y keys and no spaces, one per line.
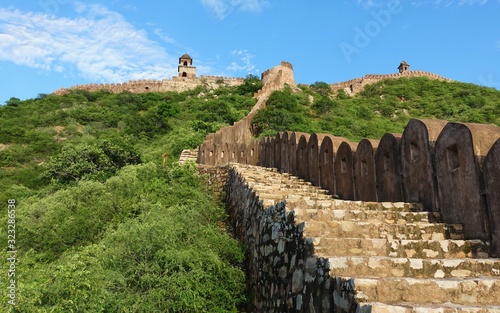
{"x":48,"y":44}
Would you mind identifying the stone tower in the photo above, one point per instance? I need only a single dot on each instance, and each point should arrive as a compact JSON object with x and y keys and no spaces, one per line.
{"x":403,"y":67}
{"x":185,"y":67}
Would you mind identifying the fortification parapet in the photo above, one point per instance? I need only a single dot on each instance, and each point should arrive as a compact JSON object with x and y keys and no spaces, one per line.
{"x":451,"y":168}
{"x":177,"y":83}
{"x":355,"y":85}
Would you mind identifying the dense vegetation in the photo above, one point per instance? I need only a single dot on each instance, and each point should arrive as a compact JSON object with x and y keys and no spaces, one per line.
{"x":101,"y":224}
{"x":386,"y":106}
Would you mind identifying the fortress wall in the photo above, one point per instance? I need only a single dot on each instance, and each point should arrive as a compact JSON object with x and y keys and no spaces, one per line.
{"x":460,"y":149}
{"x":451,"y":168}
{"x":388,"y":169}
{"x":417,"y":155}
{"x":365,"y":183}
{"x":277,"y":150}
{"x":344,"y":176}
{"x":293,"y":142}
{"x":326,"y":160}
{"x":285,"y":160}
{"x":241,"y":132}
{"x":270,"y":152}
{"x":313,"y":157}
{"x":177,"y":84}
{"x":327,"y":156}
{"x":491,"y":167}
{"x":262,"y":153}
{"x":355,"y":85}
{"x":302,"y":165}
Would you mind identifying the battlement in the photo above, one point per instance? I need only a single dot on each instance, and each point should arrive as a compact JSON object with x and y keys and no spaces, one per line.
{"x":353,"y":86}
{"x":178,"y":84}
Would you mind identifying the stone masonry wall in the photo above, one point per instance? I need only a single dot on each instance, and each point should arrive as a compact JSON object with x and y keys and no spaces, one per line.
{"x":353,"y":86}
{"x":283,"y":273}
{"x":216,"y":178}
{"x":178,"y":84}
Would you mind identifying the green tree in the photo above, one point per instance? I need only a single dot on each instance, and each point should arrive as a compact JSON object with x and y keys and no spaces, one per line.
{"x":98,"y":161}
{"x":251,"y":84}
{"x":321,"y":88}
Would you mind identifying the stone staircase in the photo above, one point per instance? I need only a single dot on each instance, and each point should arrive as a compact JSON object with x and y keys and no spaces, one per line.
{"x":188,"y":155}
{"x":400,"y":258}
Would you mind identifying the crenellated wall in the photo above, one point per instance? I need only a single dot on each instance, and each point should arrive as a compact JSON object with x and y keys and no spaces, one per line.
{"x":451,"y":168}
{"x":355,"y":85}
{"x":178,"y":84}
{"x":241,"y":132}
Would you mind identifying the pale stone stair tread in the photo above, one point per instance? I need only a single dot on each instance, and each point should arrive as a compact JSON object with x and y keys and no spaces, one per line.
{"x":399,"y":256}
{"x":381,"y":266}
{"x":351,"y":229}
{"x":420,"y":308}
{"x":392,"y":290}
{"x":447,"y":248}
{"x":392,"y":217}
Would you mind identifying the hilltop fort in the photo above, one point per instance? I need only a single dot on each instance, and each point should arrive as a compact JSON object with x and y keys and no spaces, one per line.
{"x":187,"y":79}
{"x":355,"y":85}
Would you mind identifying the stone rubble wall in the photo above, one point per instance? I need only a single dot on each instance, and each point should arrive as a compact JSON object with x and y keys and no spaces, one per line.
{"x":439,"y":164}
{"x":217,"y":177}
{"x":283,"y":272}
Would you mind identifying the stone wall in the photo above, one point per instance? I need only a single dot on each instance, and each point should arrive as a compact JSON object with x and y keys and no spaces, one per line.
{"x":283,"y":273}
{"x":450,"y":168}
{"x":241,"y":132}
{"x":177,"y":84}
{"x":353,"y":86}
{"x":216,"y":177}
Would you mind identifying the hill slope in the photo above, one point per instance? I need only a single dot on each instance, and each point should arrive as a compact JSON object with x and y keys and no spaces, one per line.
{"x":102,"y":225}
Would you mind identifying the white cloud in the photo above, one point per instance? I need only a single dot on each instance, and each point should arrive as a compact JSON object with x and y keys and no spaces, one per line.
{"x":244,"y":63}
{"x":162,"y":36}
{"x":221,"y":8}
{"x":99,"y":45}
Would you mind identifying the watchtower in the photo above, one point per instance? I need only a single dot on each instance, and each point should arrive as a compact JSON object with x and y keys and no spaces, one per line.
{"x":403,"y":67}
{"x":186,"y":68}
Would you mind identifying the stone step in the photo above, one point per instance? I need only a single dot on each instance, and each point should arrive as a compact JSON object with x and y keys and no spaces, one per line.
{"x":294,"y":194}
{"x":422,"y":249}
{"x":329,"y":203}
{"x":463,"y":291}
{"x":416,"y":268}
{"x":418,"y":308}
{"x":390,"y":217}
{"x":411,"y":231}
